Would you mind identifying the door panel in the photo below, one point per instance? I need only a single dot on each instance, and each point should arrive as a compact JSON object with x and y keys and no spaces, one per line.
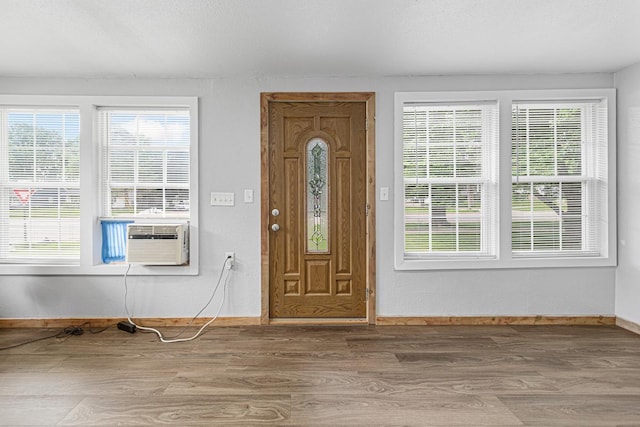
{"x":317,"y":182}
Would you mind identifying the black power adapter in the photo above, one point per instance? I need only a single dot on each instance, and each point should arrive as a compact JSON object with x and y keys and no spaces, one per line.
{"x":127,"y":327}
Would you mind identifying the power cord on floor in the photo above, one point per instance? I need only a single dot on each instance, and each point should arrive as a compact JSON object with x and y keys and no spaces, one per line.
{"x":69,"y":330}
{"x":175,"y":338}
{"x":73,"y":330}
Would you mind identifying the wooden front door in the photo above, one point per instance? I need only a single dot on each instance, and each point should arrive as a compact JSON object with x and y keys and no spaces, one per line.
{"x":316,"y":206}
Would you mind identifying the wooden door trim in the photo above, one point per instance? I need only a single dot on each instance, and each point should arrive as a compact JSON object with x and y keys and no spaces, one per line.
{"x":369,"y":99}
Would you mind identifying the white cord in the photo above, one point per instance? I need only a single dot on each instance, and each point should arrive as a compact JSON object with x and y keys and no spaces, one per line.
{"x":174,"y":338}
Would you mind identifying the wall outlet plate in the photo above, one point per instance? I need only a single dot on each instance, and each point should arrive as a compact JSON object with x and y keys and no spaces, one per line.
{"x":229,"y":263}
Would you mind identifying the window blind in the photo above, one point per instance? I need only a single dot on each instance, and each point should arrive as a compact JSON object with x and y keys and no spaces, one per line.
{"x":559,"y":178}
{"x":39,"y":185}
{"x":146,"y":162}
{"x":450,"y":168}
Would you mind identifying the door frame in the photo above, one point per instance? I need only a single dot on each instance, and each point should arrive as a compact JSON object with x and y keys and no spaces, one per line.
{"x":266,"y":98}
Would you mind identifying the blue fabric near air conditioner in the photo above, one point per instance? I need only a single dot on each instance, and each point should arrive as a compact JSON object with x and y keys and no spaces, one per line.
{"x":114,"y":240}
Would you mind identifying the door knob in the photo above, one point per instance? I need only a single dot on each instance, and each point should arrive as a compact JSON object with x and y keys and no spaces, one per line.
{"x":275,"y":212}
{"x":275,"y":227}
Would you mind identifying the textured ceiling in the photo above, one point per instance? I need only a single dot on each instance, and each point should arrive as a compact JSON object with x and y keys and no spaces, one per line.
{"x":211,"y":38}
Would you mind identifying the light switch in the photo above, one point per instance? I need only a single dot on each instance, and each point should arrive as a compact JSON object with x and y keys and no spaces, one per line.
{"x":384,"y":193}
{"x":248,"y":196}
{"x":222,"y":199}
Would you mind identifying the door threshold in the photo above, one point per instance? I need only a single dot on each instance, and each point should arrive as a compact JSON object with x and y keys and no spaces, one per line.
{"x":318,"y":321}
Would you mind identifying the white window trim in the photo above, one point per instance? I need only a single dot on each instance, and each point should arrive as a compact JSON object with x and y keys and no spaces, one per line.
{"x":488,"y":180}
{"x":90,"y":205}
{"x":505,"y":258}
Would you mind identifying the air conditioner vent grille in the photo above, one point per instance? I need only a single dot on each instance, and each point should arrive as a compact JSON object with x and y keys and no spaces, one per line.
{"x":158,"y":244}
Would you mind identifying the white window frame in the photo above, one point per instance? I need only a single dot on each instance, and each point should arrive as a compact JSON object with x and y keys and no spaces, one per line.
{"x":486,"y":179}
{"x":108,"y":184}
{"x":588,"y":181}
{"x":505,"y":258}
{"x":36,"y":185}
{"x":90,"y":203}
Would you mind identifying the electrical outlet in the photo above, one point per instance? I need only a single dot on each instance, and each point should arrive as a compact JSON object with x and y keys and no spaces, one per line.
{"x":230,"y":262}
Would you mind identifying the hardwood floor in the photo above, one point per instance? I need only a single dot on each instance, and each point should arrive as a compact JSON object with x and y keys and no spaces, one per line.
{"x":326,"y":376}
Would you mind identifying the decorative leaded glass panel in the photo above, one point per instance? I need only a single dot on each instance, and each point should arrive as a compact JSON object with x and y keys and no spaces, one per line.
{"x":317,"y":196}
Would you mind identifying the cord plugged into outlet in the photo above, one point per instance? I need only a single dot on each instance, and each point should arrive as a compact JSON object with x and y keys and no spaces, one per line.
{"x":230,"y":259}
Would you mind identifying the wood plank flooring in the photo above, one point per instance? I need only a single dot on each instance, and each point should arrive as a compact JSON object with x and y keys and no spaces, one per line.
{"x":326,"y":376}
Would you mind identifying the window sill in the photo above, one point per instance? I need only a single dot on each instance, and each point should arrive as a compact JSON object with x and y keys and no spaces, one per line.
{"x":116,"y":269}
{"x":481,"y":264}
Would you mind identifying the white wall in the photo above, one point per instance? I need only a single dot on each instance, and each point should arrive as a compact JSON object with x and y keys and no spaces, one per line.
{"x":230,"y":161}
{"x":627,"y":83}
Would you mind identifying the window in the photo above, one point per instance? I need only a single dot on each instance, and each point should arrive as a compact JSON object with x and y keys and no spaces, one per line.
{"x":145,"y":163}
{"x":450,"y":175}
{"x":52,"y":200}
{"x":39,"y":185}
{"x":535,"y":188}
{"x":559,"y":167}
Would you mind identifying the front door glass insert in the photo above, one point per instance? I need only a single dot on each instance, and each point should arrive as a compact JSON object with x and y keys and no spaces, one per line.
{"x":317,"y":196}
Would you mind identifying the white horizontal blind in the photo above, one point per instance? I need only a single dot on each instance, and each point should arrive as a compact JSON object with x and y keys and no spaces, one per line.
{"x":450,"y":162}
{"x":559,"y":183}
{"x":39,"y":185}
{"x":146,"y":158}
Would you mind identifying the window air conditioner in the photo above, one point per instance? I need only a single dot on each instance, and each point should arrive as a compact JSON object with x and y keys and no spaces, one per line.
{"x":158,"y":244}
